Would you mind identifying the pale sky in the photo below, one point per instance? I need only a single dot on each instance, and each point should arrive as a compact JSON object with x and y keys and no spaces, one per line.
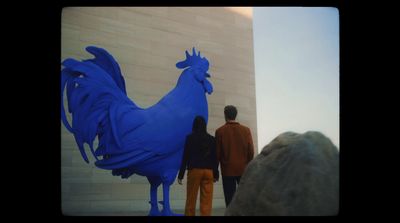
{"x":296,"y":54}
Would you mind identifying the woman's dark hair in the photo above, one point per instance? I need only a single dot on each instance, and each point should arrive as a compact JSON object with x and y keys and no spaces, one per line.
{"x":200,"y":132}
{"x":230,"y":112}
{"x":199,"y":125}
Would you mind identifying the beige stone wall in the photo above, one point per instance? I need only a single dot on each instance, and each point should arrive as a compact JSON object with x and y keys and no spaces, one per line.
{"x":147,"y":43}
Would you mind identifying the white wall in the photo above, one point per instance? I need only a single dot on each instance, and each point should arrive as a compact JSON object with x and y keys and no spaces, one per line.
{"x":147,"y":42}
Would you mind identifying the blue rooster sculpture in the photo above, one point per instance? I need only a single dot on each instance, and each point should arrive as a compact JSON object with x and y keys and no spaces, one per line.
{"x":133,"y":140}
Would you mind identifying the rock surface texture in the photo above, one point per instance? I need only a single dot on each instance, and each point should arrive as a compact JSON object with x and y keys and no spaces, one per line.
{"x":294,"y":175}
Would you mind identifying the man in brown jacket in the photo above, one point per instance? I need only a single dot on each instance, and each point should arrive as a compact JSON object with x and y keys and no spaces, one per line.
{"x":235,"y":150}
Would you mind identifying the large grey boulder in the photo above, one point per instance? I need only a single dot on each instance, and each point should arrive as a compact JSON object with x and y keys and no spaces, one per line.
{"x":294,"y":175}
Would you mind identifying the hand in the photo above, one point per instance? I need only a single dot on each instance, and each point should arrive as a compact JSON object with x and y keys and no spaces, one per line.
{"x":180,"y":181}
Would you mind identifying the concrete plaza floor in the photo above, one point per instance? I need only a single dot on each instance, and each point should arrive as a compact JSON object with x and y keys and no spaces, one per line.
{"x":215,"y":212}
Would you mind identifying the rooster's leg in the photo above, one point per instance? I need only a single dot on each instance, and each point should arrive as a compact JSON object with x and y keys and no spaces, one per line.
{"x":167,"y":209}
{"x":154,"y":183}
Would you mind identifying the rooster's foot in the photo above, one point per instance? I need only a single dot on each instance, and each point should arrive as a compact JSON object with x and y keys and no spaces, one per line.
{"x":154,"y":210}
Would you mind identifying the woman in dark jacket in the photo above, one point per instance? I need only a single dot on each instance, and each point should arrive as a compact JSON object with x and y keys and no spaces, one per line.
{"x":200,"y":158}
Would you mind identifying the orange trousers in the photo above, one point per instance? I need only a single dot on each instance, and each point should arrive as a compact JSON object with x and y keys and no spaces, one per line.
{"x":204,"y":179}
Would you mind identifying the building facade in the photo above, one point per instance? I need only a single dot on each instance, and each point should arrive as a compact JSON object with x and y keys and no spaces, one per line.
{"x":147,"y":43}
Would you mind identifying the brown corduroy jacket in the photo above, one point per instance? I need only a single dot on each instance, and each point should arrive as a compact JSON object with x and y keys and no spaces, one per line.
{"x":235,"y":148}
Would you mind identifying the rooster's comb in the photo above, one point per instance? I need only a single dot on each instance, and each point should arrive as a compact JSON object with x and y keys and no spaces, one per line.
{"x":191,"y":60}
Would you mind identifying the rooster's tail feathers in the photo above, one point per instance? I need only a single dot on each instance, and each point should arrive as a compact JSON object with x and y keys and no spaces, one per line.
{"x":107,"y":62}
{"x":93,"y":87}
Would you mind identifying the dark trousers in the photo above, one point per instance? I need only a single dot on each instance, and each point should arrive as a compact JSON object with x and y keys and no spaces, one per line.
{"x":229,"y":184}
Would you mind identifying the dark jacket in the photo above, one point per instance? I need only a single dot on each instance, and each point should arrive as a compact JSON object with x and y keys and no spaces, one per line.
{"x":235,"y":148}
{"x":195,"y":157}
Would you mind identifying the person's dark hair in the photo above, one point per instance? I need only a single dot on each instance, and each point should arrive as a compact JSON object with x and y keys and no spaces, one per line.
{"x":199,"y":130}
{"x":199,"y":125}
{"x":230,"y":112}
